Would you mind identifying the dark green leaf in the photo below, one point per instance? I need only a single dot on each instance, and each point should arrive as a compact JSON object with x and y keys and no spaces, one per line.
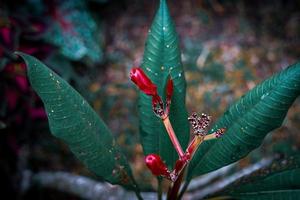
{"x":76,"y":123}
{"x":283,"y":185}
{"x":269,"y":195}
{"x":248,"y":121}
{"x":281,"y":176}
{"x":161,"y":58}
{"x":289,"y":179}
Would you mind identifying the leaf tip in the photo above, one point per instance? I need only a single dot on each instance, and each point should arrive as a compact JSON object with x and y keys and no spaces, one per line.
{"x":30,"y":61}
{"x":19,"y":53}
{"x":24,"y":56}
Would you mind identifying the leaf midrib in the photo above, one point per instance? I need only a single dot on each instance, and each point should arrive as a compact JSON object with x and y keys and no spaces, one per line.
{"x":232,"y":124}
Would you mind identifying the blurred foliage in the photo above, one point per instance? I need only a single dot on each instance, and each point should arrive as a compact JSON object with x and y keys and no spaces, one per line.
{"x":74,"y":31}
{"x":228,"y":47}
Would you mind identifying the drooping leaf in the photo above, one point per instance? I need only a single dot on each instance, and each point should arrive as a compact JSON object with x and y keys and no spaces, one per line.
{"x":248,"y":121}
{"x":162,"y":58}
{"x":77,"y":124}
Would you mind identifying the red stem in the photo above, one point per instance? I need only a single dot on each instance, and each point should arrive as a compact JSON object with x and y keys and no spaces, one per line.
{"x":189,"y":153}
{"x":173,"y":191}
{"x":173,"y":137}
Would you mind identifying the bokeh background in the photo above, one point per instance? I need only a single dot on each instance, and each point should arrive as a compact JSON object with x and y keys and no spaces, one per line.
{"x":228,"y":46}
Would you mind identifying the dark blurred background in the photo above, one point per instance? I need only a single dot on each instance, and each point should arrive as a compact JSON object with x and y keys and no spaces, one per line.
{"x":228,"y":46}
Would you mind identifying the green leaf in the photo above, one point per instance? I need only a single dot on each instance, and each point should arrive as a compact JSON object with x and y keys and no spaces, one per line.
{"x":289,"y":179}
{"x":282,"y":185}
{"x":162,"y":58}
{"x":248,"y":121}
{"x":274,"y":195}
{"x":77,"y":124}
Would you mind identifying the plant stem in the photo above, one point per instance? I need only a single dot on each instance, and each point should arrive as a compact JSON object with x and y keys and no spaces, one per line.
{"x":159,"y":188}
{"x":138,"y":195}
{"x":172,"y":136}
{"x":210,"y":137}
{"x":194,"y":144}
{"x":185,"y":185}
{"x":173,"y":191}
{"x":189,"y":153}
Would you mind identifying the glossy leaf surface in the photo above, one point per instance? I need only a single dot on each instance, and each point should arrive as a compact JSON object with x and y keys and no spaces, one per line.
{"x":286,"y":180}
{"x":270,"y":195}
{"x":283,"y":185}
{"x":281,"y":180}
{"x":248,"y":121}
{"x":78,"y":125}
{"x":162,"y":58}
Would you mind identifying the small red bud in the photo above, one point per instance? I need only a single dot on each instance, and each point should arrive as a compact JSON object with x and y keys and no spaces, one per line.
{"x":138,"y":76}
{"x":170,"y":88}
{"x":156,"y":165}
{"x":169,"y":92}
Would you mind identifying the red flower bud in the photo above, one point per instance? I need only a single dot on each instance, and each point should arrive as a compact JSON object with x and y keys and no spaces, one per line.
{"x":169,"y":89}
{"x":156,"y":165}
{"x":142,"y":81}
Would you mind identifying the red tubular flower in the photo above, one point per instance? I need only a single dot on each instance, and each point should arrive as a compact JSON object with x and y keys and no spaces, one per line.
{"x":142,"y":81}
{"x":156,"y":165}
{"x":138,"y":76}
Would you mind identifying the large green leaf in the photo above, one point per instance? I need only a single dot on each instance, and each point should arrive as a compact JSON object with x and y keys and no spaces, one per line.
{"x":283,"y":185}
{"x":161,"y":58}
{"x":77,"y":124}
{"x":248,"y":121}
{"x":289,"y":179}
{"x":270,"y":195}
